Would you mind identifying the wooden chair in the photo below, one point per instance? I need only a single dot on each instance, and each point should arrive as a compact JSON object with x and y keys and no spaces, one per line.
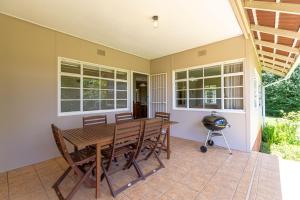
{"x":150,"y":141}
{"x":166,"y":117}
{"x":122,"y":117}
{"x":127,"y":136}
{"x":82,"y":162}
{"x":94,"y":120}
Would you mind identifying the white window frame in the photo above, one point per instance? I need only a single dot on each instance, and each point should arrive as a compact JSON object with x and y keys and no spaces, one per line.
{"x":222,"y":86}
{"x":81,"y":112}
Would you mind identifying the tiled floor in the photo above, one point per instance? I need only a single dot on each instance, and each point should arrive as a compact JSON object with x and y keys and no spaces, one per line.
{"x":189,"y":175}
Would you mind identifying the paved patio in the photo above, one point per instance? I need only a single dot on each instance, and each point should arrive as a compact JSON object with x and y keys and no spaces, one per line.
{"x":189,"y":175}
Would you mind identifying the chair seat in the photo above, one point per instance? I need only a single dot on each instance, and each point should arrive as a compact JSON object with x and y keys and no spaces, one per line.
{"x":118,"y":152}
{"x":83,"y":155}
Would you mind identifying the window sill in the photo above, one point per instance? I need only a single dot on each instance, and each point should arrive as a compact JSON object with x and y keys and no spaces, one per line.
{"x":210,"y":110}
{"x":91,"y":112}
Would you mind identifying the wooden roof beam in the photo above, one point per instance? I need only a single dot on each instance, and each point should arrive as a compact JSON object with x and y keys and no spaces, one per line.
{"x":278,"y":46}
{"x":281,"y":57}
{"x":273,"y":71}
{"x":290,"y":8}
{"x":275,"y":62}
{"x":281,"y":69}
{"x":275,"y":31}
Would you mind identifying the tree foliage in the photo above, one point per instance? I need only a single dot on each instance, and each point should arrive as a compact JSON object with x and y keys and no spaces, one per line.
{"x":283,"y":97}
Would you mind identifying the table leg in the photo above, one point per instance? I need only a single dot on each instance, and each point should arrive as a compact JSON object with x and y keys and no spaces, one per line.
{"x":98,"y":169}
{"x":168,"y":143}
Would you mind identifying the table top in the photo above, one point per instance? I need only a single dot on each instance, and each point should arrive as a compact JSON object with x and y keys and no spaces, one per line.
{"x":102,"y":134}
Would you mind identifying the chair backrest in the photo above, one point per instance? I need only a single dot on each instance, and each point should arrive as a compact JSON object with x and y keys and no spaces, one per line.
{"x":163,"y":115}
{"x":94,"y":120}
{"x":61,"y":145}
{"x":126,"y":133}
{"x":152,"y":129}
{"x":121,"y":117}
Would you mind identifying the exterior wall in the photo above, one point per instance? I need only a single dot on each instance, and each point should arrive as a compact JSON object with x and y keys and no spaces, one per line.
{"x":254,"y":104}
{"x":190,"y":126}
{"x":28,"y":86}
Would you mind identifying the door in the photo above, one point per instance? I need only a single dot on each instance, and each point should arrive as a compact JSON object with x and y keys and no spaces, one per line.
{"x":158,"y":100}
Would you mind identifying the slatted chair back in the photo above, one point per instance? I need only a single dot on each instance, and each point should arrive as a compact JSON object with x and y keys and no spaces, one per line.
{"x":149,"y":143}
{"x":94,"y":120}
{"x":152,"y":129}
{"x":127,"y":133}
{"x":61,"y":145}
{"x":163,"y":115}
{"x":122,"y":117}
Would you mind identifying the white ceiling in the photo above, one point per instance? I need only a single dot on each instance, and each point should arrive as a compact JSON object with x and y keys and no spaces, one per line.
{"x":127,"y":25}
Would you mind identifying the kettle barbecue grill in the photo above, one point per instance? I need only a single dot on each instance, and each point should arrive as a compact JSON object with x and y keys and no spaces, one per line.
{"x":215,"y":125}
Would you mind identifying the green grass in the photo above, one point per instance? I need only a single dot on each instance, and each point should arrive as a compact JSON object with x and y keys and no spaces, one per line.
{"x":280,"y":137}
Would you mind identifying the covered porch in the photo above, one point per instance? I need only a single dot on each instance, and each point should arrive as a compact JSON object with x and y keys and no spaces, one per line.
{"x":188,"y":175}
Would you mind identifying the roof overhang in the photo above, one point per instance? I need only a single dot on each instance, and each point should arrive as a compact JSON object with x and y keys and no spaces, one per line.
{"x":273,"y":26}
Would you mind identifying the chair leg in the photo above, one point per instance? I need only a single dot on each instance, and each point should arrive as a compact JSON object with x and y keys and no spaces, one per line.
{"x":79,"y":183}
{"x":76,"y":187}
{"x":58,"y":182}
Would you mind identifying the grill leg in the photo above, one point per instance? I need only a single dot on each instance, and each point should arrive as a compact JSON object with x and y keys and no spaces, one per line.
{"x":207,"y":138}
{"x":226,"y":142}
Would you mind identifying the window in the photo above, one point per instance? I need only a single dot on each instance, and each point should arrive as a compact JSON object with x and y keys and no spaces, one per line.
{"x":86,"y":88}
{"x":212,"y":87}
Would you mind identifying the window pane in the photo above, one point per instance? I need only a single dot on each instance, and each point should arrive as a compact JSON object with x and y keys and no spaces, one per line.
{"x":106,"y":84}
{"x":69,"y":81}
{"x":89,"y":105}
{"x":180,"y":75}
{"x":196,"y":73}
{"x":91,"y":70}
{"x":212,"y":82}
{"x":107,"y":104}
{"x":107,"y":73}
{"x":91,"y":94}
{"x":121,"y":103}
{"x":69,"y":106}
{"x":233,"y":68}
{"x":196,"y":84}
{"x":233,"y":81}
{"x":90,"y":83}
{"x":196,"y":93}
{"x":212,"y":93}
{"x":180,"y":85}
{"x":70,"y":67}
{"x":196,"y":103}
{"x":121,"y":86}
{"x":121,"y":94}
{"x":233,"y":104}
{"x":181,"y":103}
{"x":122,"y":75}
{"x":212,"y":103}
{"x":70,"y":93}
{"x":212,"y":71}
{"x":107,"y":94}
{"x":181,"y":94}
{"x":233,"y":92}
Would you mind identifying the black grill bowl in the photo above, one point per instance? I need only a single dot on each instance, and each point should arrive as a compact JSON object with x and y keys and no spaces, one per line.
{"x":214,"y":122}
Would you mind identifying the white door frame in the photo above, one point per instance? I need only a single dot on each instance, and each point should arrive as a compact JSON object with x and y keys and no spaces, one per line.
{"x":148,"y":90}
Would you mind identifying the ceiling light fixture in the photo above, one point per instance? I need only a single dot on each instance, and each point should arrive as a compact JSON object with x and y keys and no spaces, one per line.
{"x":155,"y":21}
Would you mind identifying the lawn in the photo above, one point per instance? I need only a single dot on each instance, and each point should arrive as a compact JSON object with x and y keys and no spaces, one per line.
{"x":281,"y":137}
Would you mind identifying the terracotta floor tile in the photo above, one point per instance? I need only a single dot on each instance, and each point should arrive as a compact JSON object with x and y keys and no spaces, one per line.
{"x":189,"y":175}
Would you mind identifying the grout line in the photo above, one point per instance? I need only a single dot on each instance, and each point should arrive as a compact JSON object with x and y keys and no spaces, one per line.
{"x":252,"y":177}
{"x":41,"y":181}
{"x":8,"y":195}
{"x":221,"y":165}
{"x":243,"y":173}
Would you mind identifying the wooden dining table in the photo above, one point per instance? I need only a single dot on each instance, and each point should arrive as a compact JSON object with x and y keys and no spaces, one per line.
{"x":101,"y":136}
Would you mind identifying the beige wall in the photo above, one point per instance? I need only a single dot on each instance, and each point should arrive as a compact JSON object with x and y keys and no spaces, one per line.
{"x":28,"y":86}
{"x":190,"y":126}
